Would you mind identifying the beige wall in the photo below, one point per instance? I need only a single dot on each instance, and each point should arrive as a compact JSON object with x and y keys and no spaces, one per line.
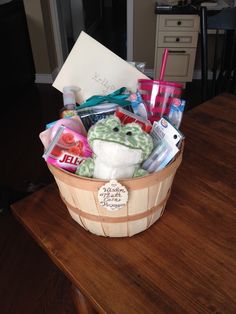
{"x":49,"y":34}
{"x":144,"y":31}
{"x":40,"y":31}
{"x":41,"y":36}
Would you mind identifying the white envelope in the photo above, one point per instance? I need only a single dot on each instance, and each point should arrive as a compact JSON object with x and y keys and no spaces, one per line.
{"x":95,"y":70}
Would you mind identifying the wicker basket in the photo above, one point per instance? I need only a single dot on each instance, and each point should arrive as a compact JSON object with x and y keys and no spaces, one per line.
{"x":147,"y":197}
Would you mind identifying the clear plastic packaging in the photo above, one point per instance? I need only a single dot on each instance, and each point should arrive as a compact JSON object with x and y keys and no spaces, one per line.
{"x":127,"y":117}
{"x":138,"y":65}
{"x":159,"y":156}
{"x":90,"y":115}
{"x":166,"y":140}
{"x":158,"y":96}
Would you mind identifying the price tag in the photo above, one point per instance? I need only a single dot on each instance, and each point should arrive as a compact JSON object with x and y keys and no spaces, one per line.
{"x":113,"y":195}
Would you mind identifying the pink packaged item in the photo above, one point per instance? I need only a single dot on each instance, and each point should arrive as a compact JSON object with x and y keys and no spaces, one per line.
{"x":67,"y":149}
{"x":74,"y":123}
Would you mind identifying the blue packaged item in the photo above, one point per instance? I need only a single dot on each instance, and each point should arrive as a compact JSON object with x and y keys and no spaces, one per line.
{"x":176,"y":112}
{"x":138,"y":105}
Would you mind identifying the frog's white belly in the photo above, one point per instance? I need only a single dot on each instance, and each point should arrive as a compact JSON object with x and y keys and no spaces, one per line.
{"x":115,"y":161}
{"x":103,"y":171}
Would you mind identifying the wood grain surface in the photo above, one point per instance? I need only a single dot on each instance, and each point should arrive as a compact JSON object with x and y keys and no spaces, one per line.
{"x":186,"y":262}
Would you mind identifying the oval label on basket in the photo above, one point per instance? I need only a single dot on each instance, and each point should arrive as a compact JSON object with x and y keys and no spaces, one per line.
{"x":113,"y":195}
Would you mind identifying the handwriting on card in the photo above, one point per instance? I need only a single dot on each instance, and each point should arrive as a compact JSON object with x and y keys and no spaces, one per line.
{"x":113,"y":195}
{"x":108,"y":87}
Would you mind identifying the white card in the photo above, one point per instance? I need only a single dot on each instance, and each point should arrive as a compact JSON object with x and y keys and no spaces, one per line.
{"x":96,"y":70}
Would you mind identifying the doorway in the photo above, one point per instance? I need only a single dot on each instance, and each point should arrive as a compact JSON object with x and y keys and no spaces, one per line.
{"x":104,"y":20}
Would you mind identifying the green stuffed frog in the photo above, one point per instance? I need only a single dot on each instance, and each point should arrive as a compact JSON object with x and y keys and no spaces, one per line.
{"x":118,"y":150}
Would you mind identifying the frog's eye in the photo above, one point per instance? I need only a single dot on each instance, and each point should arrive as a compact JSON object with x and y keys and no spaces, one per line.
{"x":116,"y":129}
{"x":129,"y":133}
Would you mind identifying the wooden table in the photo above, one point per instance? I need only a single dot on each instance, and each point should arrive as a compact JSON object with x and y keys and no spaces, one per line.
{"x":186,"y":262}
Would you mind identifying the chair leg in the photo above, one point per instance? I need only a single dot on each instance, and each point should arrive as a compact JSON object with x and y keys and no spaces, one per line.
{"x":229,"y":54}
{"x":214,"y":69}
{"x":233,"y":67}
{"x":204,"y":53}
{"x":220,"y":80}
{"x":233,"y":83}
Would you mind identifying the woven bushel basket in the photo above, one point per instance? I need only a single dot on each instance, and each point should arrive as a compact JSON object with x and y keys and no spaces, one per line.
{"x":147,"y":197}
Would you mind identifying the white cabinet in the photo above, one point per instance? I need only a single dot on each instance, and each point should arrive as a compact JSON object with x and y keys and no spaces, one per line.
{"x":178,"y":33}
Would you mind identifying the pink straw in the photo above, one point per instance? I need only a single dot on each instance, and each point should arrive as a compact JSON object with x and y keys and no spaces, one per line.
{"x":163,"y":64}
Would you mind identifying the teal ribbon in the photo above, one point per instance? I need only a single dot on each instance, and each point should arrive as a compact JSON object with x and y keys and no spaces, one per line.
{"x":116,"y":97}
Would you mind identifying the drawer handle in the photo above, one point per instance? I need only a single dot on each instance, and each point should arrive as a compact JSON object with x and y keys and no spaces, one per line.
{"x":179,"y":23}
{"x":177,"y":39}
{"x":177,"y":51}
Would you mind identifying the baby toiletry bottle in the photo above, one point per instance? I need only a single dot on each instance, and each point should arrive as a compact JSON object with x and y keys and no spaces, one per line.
{"x":69,"y":102}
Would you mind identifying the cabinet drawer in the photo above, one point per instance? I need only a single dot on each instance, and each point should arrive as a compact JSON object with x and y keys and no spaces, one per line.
{"x":177,"y":39}
{"x":180,"y":64}
{"x":178,"y":23}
